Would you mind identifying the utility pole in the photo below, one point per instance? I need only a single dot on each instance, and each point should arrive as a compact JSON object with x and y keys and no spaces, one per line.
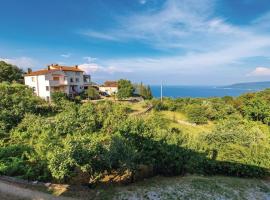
{"x":161,"y":91}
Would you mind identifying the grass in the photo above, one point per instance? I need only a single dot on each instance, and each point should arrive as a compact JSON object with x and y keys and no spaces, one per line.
{"x":192,"y":132}
{"x":135,"y":107}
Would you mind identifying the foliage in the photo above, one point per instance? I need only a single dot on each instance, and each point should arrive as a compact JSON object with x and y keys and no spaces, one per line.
{"x":143,"y":91}
{"x":57,"y":97}
{"x":238,"y":141}
{"x":196,"y":114}
{"x":95,"y":139}
{"x":10,"y":73}
{"x":125,"y":89}
{"x":16,"y":100}
{"x":92,"y":93}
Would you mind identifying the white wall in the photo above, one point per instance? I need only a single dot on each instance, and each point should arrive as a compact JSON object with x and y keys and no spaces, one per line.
{"x":108,"y":90}
{"x":74,"y":75}
{"x":40,"y":82}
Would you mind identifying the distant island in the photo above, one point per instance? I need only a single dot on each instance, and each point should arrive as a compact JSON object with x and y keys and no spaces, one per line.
{"x":249,"y":85}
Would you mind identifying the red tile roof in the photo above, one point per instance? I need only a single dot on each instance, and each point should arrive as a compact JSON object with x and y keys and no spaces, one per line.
{"x":53,"y":68}
{"x":110,"y":84}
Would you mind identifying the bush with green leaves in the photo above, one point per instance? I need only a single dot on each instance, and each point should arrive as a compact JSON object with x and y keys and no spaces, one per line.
{"x":239,"y":141}
{"x":196,"y":114}
{"x":125,"y":89}
{"x":58,"y":97}
{"x":10,"y":73}
{"x":101,"y":138}
{"x":92,"y":93}
{"x":16,"y":100}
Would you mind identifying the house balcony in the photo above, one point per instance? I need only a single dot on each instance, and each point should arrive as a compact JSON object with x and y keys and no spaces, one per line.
{"x":59,"y":89}
{"x":58,"y":82}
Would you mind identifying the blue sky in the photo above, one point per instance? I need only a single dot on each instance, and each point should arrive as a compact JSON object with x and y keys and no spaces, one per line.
{"x":186,"y":42}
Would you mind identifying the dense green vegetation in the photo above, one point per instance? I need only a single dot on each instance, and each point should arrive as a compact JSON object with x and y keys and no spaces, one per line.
{"x":92,"y":93}
{"x":143,"y":91}
{"x":66,"y":141}
{"x":125,"y":89}
{"x":10,"y":73}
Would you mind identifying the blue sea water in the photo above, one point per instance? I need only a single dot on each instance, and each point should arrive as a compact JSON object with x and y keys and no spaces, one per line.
{"x":198,"y":91}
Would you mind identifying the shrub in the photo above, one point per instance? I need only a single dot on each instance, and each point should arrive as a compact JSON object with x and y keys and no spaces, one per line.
{"x":196,"y":114}
{"x":57,"y":97}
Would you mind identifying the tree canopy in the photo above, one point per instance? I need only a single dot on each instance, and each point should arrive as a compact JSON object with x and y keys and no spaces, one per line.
{"x":10,"y":73}
{"x":143,"y":91}
{"x":63,"y":142}
{"x":125,"y":89}
{"x":92,"y":93}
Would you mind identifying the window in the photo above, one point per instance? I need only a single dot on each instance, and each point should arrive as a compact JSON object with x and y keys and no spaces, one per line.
{"x":47,"y":98}
{"x":71,"y":80}
{"x":47,"y":88}
{"x":65,"y":78}
{"x":33,"y":79}
{"x":77,"y":73}
{"x":77,"y":80}
{"x":34,"y":89}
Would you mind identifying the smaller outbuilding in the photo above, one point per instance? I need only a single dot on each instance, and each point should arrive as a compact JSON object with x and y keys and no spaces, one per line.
{"x":109,"y":87}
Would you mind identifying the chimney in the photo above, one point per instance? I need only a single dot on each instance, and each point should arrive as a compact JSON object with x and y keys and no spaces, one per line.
{"x":29,"y":70}
{"x":76,"y":66}
{"x":49,"y":67}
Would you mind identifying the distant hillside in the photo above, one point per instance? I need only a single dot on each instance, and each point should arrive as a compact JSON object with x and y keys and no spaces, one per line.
{"x":250,"y":85}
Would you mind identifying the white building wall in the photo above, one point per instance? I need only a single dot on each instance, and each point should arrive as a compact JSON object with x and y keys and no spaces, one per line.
{"x":39,"y":83}
{"x":77,"y":79}
{"x":108,"y":90}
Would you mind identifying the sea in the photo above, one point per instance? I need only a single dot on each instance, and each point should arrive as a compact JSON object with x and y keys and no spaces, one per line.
{"x":175,"y":91}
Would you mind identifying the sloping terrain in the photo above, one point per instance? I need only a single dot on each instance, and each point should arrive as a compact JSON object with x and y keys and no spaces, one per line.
{"x":157,"y":188}
{"x":197,"y":187}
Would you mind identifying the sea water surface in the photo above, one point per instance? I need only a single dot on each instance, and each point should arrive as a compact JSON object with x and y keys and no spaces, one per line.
{"x":175,"y":91}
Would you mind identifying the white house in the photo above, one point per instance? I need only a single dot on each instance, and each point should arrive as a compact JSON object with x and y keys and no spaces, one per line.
{"x":109,"y":87}
{"x":69,"y":80}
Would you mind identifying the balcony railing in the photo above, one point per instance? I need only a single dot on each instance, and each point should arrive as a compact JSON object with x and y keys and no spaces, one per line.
{"x":58,"y":82}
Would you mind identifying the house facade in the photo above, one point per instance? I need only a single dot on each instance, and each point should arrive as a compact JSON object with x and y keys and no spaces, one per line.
{"x":109,"y":87}
{"x":56,"y":78}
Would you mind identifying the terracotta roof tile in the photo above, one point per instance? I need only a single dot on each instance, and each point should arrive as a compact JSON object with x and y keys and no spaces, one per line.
{"x":53,"y":68}
{"x":110,"y":84}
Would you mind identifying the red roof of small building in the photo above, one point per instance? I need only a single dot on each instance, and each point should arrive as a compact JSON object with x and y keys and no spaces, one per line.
{"x":110,"y":84}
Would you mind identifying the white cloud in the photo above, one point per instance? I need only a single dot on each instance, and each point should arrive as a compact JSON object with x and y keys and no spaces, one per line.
{"x":200,"y":41}
{"x":22,"y":62}
{"x":90,"y":59}
{"x":66,"y":55}
{"x":260,"y":71}
{"x":99,"y":35}
{"x":91,"y":67}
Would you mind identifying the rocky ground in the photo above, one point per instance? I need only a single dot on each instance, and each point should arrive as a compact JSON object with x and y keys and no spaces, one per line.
{"x":157,"y":188}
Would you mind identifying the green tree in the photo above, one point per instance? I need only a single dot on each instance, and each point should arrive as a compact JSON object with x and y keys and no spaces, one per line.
{"x":10,"y":73}
{"x":148,"y":93}
{"x":196,"y":114}
{"x":125,"y":89}
{"x":144,"y":91}
{"x":92,"y":93}
{"x":16,"y":100}
{"x":57,"y":97}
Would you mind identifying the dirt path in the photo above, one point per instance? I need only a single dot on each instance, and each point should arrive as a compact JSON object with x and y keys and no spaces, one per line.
{"x":147,"y":110}
{"x":186,"y":123}
{"x":9,"y":191}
